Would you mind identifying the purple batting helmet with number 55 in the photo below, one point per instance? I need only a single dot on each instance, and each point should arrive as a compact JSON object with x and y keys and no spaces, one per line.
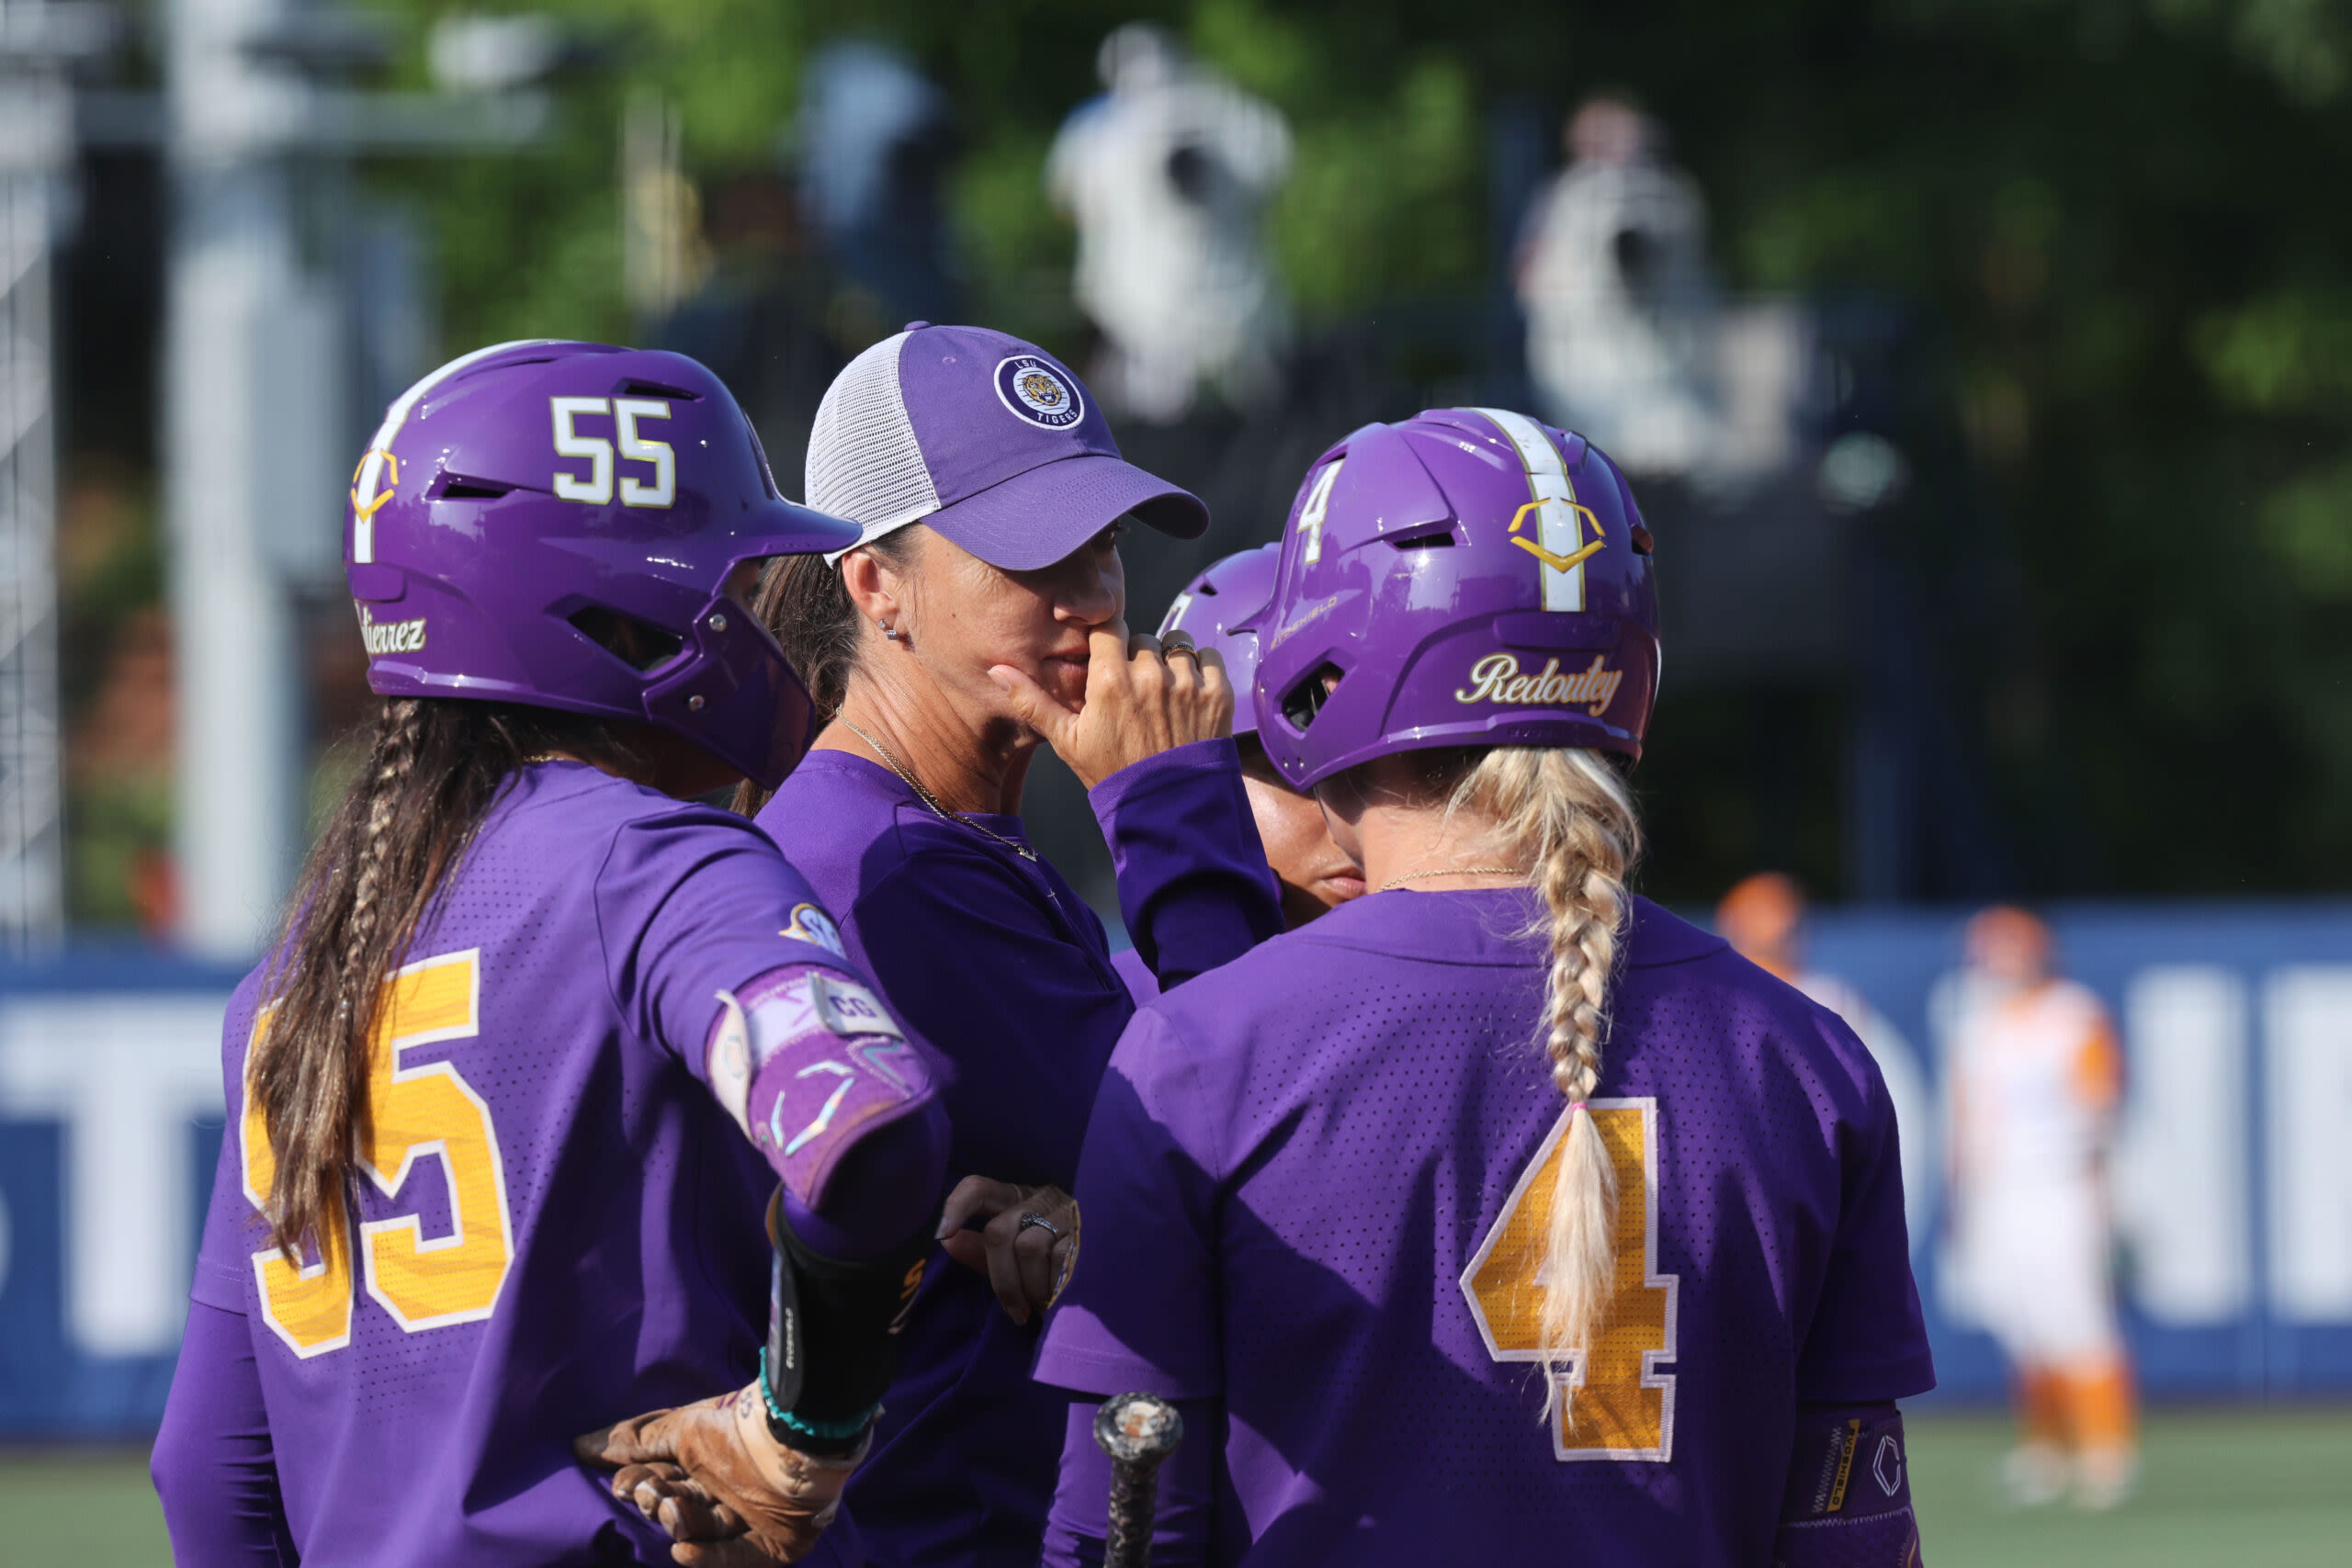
{"x":554,"y":523}
{"x":1466,"y":578}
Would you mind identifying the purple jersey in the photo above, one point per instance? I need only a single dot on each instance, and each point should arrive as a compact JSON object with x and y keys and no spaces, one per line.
{"x":995,"y":962}
{"x":1314,"y":1188}
{"x":1142,"y":984}
{"x":560,"y":1226}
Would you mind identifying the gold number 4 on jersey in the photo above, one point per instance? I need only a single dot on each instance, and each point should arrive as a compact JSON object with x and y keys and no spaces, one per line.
{"x":413,"y":1113}
{"x":1607,"y":1401}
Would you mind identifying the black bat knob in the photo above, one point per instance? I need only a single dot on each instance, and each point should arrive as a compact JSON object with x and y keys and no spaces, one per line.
{"x":1137,"y":1430}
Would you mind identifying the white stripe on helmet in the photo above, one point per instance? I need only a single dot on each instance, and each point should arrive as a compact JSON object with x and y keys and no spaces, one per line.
{"x":364,"y":499}
{"x":1559,"y":520}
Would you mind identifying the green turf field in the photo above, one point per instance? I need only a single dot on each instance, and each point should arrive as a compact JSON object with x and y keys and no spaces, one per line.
{"x":2222,"y":1489}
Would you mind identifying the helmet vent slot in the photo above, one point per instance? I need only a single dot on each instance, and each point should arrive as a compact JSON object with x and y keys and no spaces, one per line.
{"x":636,"y":387}
{"x":1306,"y":699}
{"x":472,"y":489}
{"x":640,"y":645}
{"x":1431,"y":541}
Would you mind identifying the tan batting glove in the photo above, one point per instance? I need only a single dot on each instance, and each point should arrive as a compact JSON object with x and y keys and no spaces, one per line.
{"x":740,"y":1486}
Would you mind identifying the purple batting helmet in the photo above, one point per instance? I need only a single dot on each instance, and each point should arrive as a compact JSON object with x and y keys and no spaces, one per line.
{"x":529,"y":508}
{"x":1220,"y":610}
{"x":1471,"y":578}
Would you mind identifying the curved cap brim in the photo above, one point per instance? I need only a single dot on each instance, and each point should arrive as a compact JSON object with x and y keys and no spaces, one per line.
{"x":1041,"y":515}
{"x":787,"y":527}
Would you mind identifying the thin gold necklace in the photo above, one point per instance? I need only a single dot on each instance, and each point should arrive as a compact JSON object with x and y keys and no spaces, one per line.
{"x":1450,"y":871}
{"x":914,"y":784}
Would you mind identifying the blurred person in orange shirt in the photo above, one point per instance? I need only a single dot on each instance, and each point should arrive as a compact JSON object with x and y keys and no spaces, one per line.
{"x":1763,"y":919}
{"x":2036,"y":1078}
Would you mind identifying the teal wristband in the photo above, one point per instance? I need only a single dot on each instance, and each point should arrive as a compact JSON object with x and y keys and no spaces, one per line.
{"x":823,"y":1431}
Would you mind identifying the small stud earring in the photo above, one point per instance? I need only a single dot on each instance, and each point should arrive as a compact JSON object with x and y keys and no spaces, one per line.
{"x":888,"y":630}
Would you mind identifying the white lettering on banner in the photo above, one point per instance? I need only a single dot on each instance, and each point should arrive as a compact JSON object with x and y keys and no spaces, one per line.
{"x":2181,"y":1170}
{"x":2307,"y":1025}
{"x":126,"y":1075}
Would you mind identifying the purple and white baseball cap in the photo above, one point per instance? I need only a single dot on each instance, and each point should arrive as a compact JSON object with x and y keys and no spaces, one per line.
{"x":989,"y":440}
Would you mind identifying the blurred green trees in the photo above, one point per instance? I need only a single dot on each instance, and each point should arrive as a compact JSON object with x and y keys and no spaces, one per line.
{"x":2128,"y":215}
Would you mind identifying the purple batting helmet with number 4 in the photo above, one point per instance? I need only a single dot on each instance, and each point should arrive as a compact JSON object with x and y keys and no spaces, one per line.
{"x":1220,"y":609}
{"x":554,"y":523}
{"x":1466,"y":578}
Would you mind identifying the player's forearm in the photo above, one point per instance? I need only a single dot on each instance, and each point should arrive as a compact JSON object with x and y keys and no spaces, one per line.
{"x":822,"y":1081}
{"x":213,"y":1466}
{"x":1195,"y":888}
{"x":1848,"y":1500}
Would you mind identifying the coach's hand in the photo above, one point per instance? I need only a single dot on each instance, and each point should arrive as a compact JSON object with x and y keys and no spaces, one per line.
{"x":711,"y":1476}
{"x":1027,"y":1264}
{"x":1141,"y":699}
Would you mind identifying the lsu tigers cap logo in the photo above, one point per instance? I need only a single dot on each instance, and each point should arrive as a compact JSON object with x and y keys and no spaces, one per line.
{"x":1033,"y":390}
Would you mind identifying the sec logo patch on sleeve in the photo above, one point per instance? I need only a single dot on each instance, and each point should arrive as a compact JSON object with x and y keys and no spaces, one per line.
{"x":810,"y":924}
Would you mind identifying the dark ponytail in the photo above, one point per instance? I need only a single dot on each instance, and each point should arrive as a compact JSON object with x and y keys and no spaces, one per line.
{"x":802,"y":603}
{"x":434,"y":768}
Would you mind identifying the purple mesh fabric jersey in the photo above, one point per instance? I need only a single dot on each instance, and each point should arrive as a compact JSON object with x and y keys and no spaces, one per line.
{"x":574,"y":1228}
{"x":1314,"y":1187}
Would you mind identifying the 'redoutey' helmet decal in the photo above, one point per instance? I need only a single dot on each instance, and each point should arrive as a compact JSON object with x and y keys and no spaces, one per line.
{"x":1465,"y":577}
{"x":554,"y":523}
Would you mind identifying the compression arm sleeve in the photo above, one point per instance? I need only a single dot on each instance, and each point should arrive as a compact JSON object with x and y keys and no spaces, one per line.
{"x":213,"y":1465}
{"x":1079,"y":1523}
{"x":1195,"y":888}
{"x":1848,"y":1500}
{"x":822,"y":1080}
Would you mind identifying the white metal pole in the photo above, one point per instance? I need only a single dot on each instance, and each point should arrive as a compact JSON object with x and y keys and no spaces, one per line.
{"x":234,"y":263}
{"x":36,"y":131}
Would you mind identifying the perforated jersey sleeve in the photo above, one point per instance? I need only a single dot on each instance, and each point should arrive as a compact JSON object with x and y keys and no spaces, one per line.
{"x":1866,"y":1341}
{"x":689,"y":904}
{"x":1142,"y":1307}
{"x":716,"y":950}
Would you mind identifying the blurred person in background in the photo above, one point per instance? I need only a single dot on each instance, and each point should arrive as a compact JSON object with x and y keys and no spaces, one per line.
{"x":874,"y":140}
{"x":1612,"y":275}
{"x":1166,"y":175}
{"x":2036,"y":1078}
{"x":980,"y":614}
{"x":1763,"y":919}
{"x":1220,"y":611}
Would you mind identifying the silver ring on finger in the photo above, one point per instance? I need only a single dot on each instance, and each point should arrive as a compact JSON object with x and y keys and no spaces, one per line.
{"x":1178,"y":642}
{"x":1040,"y":1221}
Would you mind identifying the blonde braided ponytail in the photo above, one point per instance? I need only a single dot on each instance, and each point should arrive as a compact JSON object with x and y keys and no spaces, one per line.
{"x":1569,"y":814}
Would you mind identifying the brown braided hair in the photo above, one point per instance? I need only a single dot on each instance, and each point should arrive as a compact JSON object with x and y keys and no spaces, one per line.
{"x":434,"y":768}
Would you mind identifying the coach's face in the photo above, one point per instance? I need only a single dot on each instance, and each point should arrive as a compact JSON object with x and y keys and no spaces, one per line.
{"x":965,"y":615}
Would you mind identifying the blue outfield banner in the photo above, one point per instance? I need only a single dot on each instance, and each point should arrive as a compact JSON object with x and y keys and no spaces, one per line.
{"x":110,"y":1128}
{"x":2233,"y":1175}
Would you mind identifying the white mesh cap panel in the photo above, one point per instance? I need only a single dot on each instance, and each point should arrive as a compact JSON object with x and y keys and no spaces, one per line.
{"x":864,"y":461}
